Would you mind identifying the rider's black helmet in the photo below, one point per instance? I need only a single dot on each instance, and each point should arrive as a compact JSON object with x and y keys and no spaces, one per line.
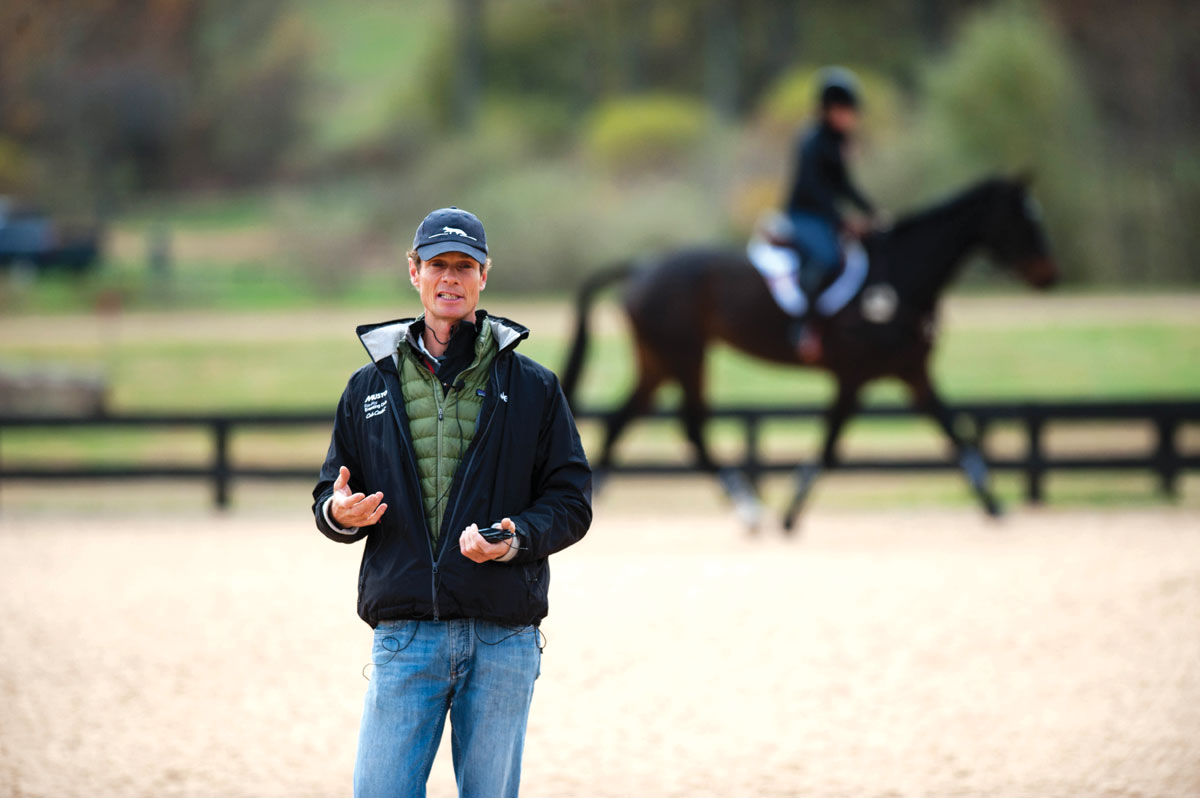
{"x":837,"y":86}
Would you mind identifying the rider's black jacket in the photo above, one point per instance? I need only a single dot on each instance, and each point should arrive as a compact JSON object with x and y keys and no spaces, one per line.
{"x":821,"y":178}
{"x":525,"y":462}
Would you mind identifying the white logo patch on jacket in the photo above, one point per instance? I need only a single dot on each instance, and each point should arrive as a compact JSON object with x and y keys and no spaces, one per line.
{"x":375,"y":404}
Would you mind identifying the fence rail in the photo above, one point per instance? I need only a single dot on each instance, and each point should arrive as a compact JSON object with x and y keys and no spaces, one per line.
{"x":1164,"y":459}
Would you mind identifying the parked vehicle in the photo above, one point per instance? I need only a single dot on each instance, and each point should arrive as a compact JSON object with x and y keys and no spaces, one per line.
{"x":32,"y":238}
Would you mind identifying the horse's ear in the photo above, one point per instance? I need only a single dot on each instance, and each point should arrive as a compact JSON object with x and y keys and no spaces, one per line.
{"x":1024,"y":177}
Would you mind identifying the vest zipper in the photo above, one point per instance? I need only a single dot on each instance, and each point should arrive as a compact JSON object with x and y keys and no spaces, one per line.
{"x":440,"y":399}
{"x":475,"y":441}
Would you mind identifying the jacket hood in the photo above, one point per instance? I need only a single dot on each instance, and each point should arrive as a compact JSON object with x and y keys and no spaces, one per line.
{"x":383,"y":338}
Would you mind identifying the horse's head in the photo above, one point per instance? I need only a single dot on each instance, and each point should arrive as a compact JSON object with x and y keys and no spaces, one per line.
{"x":1014,"y":234}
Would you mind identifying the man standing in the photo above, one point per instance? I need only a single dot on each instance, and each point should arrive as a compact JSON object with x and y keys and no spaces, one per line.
{"x":458,"y":461}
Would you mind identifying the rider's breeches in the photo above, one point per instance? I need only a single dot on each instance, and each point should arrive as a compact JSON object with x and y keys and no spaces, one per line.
{"x":816,"y":239}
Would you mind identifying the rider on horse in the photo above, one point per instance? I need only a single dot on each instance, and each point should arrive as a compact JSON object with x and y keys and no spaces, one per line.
{"x":822,"y":181}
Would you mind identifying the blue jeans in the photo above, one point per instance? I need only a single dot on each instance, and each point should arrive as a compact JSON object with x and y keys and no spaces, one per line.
{"x":481,"y":672}
{"x":817,"y":240}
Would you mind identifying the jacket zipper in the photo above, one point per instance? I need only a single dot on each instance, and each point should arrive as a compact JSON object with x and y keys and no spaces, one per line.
{"x":437,"y":480}
{"x":402,"y":433}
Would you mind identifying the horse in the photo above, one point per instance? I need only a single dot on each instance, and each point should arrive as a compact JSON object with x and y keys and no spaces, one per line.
{"x":680,"y":302}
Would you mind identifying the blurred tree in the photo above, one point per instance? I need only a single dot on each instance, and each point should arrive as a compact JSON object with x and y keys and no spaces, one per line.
{"x":722,"y":77}
{"x":1142,"y":63}
{"x":467,"y":59}
{"x":149,"y":94}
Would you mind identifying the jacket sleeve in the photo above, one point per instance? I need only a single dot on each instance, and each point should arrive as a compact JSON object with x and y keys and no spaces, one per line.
{"x":562,"y":507}
{"x":343,"y":451}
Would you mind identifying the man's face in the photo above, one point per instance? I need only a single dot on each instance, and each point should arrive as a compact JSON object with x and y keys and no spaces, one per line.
{"x":449,"y":285}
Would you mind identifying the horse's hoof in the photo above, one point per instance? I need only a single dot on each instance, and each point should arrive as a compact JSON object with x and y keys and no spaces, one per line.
{"x":750,"y":513}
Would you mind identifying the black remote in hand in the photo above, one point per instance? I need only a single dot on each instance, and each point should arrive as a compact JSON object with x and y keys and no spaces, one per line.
{"x":495,"y":534}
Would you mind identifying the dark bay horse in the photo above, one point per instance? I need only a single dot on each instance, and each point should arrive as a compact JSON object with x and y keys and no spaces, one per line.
{"x":679,"y":302}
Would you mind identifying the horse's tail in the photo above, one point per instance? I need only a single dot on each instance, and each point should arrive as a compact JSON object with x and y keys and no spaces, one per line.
{"x":583,"y":304}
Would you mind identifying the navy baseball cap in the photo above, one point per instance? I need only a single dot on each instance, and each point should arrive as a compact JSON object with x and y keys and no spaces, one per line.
{"x":451,"y":230}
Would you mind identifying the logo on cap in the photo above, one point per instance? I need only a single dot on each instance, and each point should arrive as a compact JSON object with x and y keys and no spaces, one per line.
{"x":453,"y":231}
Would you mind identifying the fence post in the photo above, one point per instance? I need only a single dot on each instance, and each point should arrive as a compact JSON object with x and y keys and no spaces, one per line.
{"x":221,"y":463}
{"x":1166,"y":458}
{"x":751,"y":464}
{"x":982,"y":424}
{"x":1035,"y":462}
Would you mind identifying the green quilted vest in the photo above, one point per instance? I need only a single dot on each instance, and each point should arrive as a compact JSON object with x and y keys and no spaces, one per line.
{"x":442,"y":426}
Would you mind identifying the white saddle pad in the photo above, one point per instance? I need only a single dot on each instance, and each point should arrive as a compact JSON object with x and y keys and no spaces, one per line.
{"x":779,"y":266}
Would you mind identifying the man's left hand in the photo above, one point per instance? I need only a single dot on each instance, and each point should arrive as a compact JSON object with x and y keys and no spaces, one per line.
{"x":475,"y":548}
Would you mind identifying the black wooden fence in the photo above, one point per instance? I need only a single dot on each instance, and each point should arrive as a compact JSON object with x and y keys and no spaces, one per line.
{"x":1165,"y":459}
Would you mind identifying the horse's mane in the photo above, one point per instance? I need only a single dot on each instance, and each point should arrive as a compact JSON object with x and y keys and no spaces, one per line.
{"x":950,"y":204}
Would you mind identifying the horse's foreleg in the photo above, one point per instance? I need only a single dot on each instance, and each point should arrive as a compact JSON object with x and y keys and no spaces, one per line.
{"x":839,"y":413}
{"x":970,"y":459}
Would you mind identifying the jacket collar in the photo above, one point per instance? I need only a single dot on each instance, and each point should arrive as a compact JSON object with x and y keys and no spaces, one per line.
{"x":382,"y":339}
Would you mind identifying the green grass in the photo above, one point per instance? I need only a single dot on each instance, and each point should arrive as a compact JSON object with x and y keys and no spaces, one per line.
{"x":232,"y":369}
{"x":200,"y":212}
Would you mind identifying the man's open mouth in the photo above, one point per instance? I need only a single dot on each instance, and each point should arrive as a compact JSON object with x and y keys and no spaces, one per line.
{"x":444,"y":295}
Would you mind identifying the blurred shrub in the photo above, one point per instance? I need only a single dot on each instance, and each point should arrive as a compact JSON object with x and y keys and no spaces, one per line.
{"x":645,"y":132}
{"x":1008,"y":97}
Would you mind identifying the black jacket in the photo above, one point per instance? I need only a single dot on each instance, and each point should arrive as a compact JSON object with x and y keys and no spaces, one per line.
{"x":525,"y":462}
{"x":821,"y":178}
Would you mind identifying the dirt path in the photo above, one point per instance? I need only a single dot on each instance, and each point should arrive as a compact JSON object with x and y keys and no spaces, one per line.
{"x":885,"y":654}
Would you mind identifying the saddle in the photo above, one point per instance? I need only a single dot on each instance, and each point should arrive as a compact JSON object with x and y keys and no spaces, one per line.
{"x":779,"y":262}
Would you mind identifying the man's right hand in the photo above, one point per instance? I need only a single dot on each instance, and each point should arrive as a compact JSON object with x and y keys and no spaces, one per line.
{"x":354,"y":509}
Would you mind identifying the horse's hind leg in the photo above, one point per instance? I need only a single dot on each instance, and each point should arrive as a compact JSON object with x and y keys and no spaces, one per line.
{"x":970,"y":459}
{"x":843,"y":407}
